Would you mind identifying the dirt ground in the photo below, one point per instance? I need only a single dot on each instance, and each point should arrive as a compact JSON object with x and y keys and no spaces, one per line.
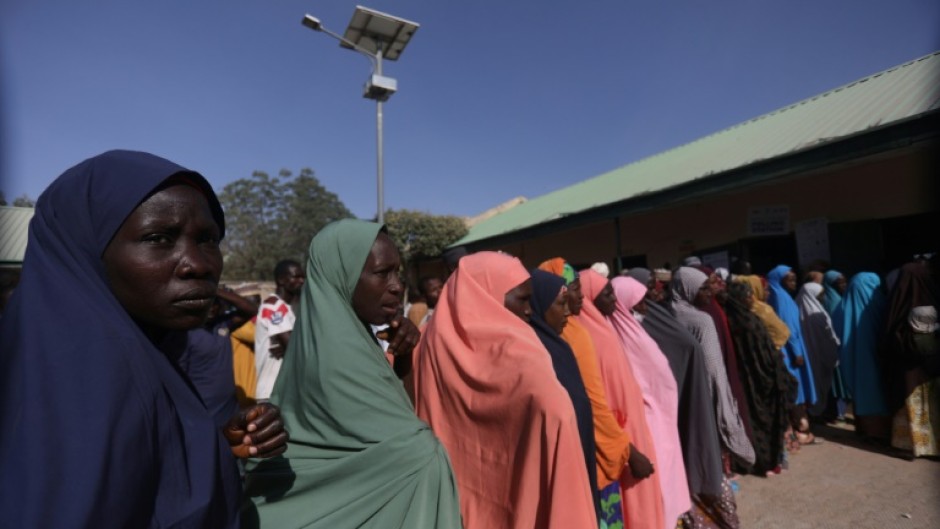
{"x":843,"y":483}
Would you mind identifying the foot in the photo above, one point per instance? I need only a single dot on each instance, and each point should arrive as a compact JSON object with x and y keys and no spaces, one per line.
{"x":805,"y":438}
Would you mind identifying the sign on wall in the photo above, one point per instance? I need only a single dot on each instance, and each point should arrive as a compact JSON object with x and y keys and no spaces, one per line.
{"x":768,"y":220}
{"x":812,"y":241}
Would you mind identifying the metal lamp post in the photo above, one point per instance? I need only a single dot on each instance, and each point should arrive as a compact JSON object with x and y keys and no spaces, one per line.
{"x":378,"y":36}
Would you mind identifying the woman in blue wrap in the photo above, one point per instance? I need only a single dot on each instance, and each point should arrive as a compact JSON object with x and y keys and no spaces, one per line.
{"x":782,"y":281}
{"x":834,"y":285}
{"x":114,"y":415}
{"x":859,"y":322}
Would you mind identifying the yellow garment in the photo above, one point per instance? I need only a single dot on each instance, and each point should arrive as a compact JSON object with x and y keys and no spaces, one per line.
{"x":917,"y":424}
{"x":243,"y":363}
{"x":779,"y":332}
{"x":417,"y":312}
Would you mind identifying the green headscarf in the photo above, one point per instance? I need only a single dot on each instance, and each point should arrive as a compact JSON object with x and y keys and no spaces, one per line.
{"x":358,"y":456}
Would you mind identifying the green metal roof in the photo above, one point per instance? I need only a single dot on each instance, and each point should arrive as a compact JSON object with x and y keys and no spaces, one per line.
{"x":893,"y":95}
{"x":14,"y":227}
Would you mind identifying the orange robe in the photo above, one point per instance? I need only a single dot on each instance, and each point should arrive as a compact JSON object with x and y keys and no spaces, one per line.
{"x":612,"y":442}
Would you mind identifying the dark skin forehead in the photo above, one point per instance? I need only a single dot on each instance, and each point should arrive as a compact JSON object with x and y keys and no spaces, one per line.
{"x":517,"y":300}
{"x":384,"y":253}
{"x":606,"y":301}
{"x":429,"y":284}
{"x":292,"y":271}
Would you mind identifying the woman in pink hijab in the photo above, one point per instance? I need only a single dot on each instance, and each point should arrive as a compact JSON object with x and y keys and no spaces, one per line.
{"x":660,"y":395}
{"x":485,"y":384}
{"x":642,"y":500}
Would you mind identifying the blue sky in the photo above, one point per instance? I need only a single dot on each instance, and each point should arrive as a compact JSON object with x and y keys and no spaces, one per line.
{"x":497,"y":98}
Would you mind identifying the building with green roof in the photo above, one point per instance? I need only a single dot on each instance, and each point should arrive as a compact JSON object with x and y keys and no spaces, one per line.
{"x":847,"y":176}
{"x":14,"y":229}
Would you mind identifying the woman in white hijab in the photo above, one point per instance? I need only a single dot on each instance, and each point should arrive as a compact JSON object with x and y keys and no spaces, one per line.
{"x":820,"y":340}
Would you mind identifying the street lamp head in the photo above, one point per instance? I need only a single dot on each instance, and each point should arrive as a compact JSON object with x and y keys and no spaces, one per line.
{"x":312,"y":22}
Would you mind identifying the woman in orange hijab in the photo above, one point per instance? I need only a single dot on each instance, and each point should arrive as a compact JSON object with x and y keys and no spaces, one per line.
{"x":486,"y":385}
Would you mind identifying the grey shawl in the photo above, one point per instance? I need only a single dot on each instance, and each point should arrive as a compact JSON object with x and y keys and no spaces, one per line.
{"x":820,"y":340}
{"x":686,"y":283}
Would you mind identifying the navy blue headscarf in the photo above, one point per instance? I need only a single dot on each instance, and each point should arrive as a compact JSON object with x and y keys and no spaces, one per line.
{"x":545,"y":289}
{"x":101,"y":427}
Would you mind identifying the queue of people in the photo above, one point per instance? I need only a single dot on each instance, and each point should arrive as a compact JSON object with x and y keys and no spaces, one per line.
{"x":508,"y":397}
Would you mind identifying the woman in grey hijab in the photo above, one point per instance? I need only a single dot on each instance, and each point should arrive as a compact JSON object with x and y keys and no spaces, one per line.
{"x":688,"y":289}
{"x":820,"y":340}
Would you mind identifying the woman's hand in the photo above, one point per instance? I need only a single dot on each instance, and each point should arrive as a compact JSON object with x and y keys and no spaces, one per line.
{"x":403,"y":336}
{"x":640,"y":465}
{"x":799,"y":361}
{"x":257,"y":432}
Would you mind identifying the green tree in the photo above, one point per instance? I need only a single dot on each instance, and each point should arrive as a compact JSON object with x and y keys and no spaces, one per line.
{"x":3,"y":199}
{"x":421,"y":235}
{"x":24,"y":201}
{"x":307,"y":208}
{"x":272,"y":218}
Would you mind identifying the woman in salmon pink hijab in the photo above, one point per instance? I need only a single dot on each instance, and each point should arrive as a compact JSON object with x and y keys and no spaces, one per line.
{"x":485,"y":384}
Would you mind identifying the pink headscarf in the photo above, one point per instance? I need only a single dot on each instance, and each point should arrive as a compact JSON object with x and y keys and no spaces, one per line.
{"x":486,"y":385}
{"x":660,"y":395}
{"x":642,"y":501}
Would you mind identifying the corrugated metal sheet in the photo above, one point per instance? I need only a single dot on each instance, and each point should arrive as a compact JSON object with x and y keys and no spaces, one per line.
{"x":899,"y":93}
{"x":14,"y":228}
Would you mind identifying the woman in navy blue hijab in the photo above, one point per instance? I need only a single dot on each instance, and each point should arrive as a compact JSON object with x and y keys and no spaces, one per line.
{"x":106,"y":401}
{"x":548,"y":319}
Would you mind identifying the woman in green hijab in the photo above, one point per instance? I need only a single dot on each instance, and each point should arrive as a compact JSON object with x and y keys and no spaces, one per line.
{"x":358,"y":456}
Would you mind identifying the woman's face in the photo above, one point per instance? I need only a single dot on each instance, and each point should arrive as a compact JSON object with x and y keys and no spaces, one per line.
{"x":606,"y":300}
{"x":749,"y":300}
{"x":163,"y":264}
{"x":641,"y":307}
{"x":704,"y":296}
{"x":765,"y":291}
{"x":789,"y":281}
{"x":654,"y":291}
{"x":575,"y":297}
{"x":517,"y":300}
{"x":377,"y":296}
{"x":841,"y":285}
{"x":715,"y":284}
{"x":556,"y":316}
